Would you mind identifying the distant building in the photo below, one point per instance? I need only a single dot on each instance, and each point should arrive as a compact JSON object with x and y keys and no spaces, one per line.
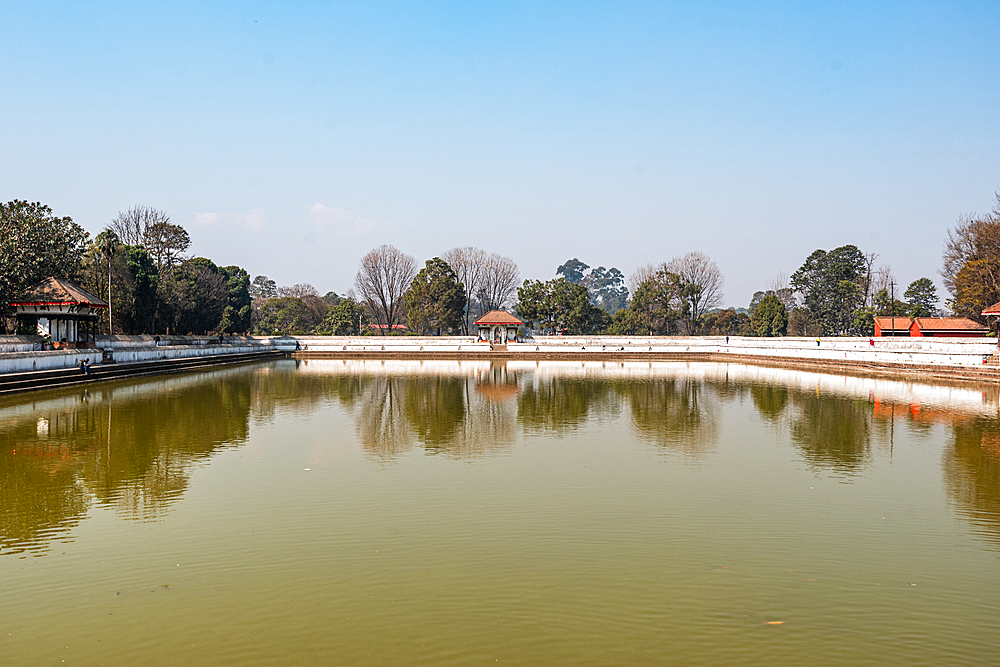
{"x":64,"y":312}
{"x":397,"y":328}
{"x":498,"y":327}
{"x":954,"y":327}
{"x":921,"y":327}
{"x":892,"y":326}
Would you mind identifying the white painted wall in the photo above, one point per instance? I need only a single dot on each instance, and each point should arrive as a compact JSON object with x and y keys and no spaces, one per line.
{"x":939,"y":351}
{"x":932,"y":351}
{"x":16,"y":362}
{"x":19,"y":343}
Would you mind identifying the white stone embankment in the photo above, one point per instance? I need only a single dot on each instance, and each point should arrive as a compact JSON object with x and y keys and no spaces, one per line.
{"x":955,"y":356}
{"x":126,"y":349}
{"x":909,"y":354}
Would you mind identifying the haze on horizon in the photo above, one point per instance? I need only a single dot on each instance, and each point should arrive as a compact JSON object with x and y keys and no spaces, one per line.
{"x":291,"y":138}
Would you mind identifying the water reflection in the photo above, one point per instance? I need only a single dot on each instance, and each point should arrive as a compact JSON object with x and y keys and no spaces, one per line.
{"x":462,"y":416}
{"x":127,"y":446}
{"x":972,"y":474}
{"x":831,"y":431}
{"x":554,"y":406}
{"x":679,"y":415}
{"x":131,"y":446}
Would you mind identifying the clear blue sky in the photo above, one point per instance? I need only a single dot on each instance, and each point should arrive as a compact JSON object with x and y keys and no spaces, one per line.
{"x":291,"y":138}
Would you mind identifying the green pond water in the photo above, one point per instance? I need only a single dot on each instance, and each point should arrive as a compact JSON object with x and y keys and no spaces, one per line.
{"x":445,"y":513}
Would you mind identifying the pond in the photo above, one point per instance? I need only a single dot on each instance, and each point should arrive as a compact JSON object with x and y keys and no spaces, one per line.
{"x":454,"y":513}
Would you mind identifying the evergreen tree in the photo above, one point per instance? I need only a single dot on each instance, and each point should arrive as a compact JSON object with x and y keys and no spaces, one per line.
{"x":921,"y":298}
{"x":435,"y":299}
{"x":769,"y":318}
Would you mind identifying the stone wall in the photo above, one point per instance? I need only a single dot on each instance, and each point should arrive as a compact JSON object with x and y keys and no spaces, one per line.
{"x":962,"y":352}
{"x":10,"y":344}
{"x":129,"y":349}
{"x":15,"y":354}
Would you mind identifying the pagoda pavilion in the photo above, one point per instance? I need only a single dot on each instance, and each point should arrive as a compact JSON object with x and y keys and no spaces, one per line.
{"x":60,"y":310}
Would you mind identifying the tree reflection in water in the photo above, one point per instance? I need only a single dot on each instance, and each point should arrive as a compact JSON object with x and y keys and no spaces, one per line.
{"x":131,"y":446}
{"x":972,"y":474}
{"x":678,"y":415}
{"x":558,"y":406}
{"x":127,"y":446}
{"x":458,"y":416}
{"x":833,"y":432}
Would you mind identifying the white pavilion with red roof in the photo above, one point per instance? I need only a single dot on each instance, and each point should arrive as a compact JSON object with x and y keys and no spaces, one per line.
{"x":498,"y":327}
{"x":57,"y":308}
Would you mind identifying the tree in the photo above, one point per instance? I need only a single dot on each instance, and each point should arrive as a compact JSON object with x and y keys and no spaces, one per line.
{"x":384,"y":275}
{"x":606,"y":286}
{"x":167,"y":242}
{"x":131,"y":226}
{"x":498,"y":283}
{"x":560,"y":305}
{"x":725,"y":323}
{"x":435,"y":299}
{"x":151,"y":229}
{"x":701,"y":282}
{"x":236,"y":316}
{"x":298,"y":290}
{"x":770,"y":317}
{"x":573,"y":270}
{"x":883,"y":304}
{"x":263,"y":287}
{"x":832,"y":285}
{"x":627,"y":322}
{"x":133,"y":278}
{"x":971,"y":269}
{"x":34,"y":244}
{"x":284,"y":315}
{"x":660,"y":302}
{"x":641,"y":275}
{"x":193,"y":297}
{"x":921,"y":297}
{"x":802,"y":323}
{"x":469,"y":265}
{"x":345,"y":319}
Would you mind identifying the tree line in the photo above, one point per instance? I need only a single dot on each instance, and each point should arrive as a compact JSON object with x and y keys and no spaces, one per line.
{"x":139,"y":264}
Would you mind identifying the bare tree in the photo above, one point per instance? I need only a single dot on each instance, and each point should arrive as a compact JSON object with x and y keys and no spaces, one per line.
{"x":499,"y":283}
{"x":166,"y":243}
{"x":975,"y":237}
{"x":868,"y":278}
{"x":299,"y":290}
{"x":643,"y":274}
{"x":383,"y":276}
{"x":702,"y":280}
{"x":132,"y":226}
{"x":469,"y":264}
{"x":881,"y":279}
{"x":780,"y":288}
{"x":151,"y":228}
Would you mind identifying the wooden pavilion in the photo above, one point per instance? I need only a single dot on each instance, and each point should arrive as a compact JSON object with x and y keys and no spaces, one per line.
{"x":498,"y":327}
{"x":64,"y":312}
